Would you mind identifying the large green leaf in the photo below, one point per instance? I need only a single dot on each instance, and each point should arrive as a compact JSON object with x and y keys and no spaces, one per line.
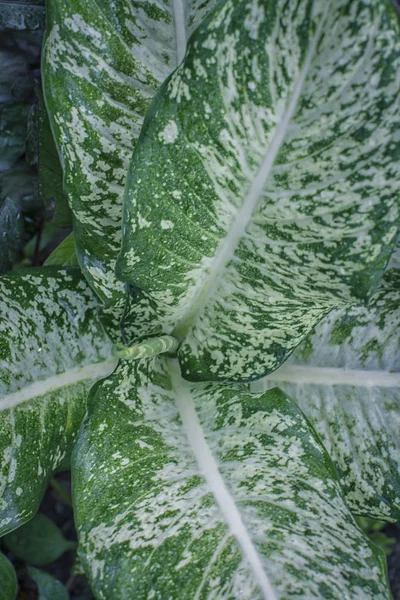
{"x":52,"y":349}
{"x":103,"y":62}
{"x":346,"y":378}
{"x":195,"y":491}
{"x":264,"y":190}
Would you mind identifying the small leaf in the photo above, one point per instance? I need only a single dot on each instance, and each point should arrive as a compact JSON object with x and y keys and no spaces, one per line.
{"x":38,"y":542}
{"x":22,"y":15}
{"x":185,"y":491}
{"x":48,"y":586}
{"x":8,"y":579}
{"x":64,"y":254}
{"x":52,"y":349}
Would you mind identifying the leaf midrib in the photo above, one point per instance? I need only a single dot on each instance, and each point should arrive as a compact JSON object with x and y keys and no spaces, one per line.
{"x":207,"y":286}
{"x":42,"y":387}
{"x":307,"y":374}
{"x":209,"y":470}
{"x":178,"y":10}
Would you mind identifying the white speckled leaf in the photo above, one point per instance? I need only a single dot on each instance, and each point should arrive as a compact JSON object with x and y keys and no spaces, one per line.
{"x":199,"y":491}
{"x":346,"y":378}
{"x":103,"y":62}
{"x":52,"y":349}
{"x":264,"y":190}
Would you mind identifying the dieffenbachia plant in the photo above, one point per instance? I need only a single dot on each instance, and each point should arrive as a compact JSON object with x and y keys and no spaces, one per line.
{"x":346,"y":379}
{"x":103,"y":63}
{"x":262,"y":194}
{"x":52,"y":349}
{"x":211,"y":492}
{"x":264,"y":189}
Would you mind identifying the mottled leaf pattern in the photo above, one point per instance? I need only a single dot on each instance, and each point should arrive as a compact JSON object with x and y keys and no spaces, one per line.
{"x":264,"y":189}
{"x":346,"y":378}
{"x":52,"y":349}
{"x":211,"y":492}
{"x":103,"y":62}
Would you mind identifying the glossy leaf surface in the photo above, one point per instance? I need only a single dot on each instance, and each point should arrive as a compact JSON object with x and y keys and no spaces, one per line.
{"x":211,"y":492}
{"x":346,"y":378}
{"x":263,"y":191}
{"x":103,"y":62}
{"x":52,"y":349}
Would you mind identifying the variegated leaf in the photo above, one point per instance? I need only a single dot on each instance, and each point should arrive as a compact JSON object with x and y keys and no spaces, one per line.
{"x":264,"y":189}
{"x":346,"y":378}
{"x":195,"y":491}
{"x":103,"y":62}
{"x":52,"y":350}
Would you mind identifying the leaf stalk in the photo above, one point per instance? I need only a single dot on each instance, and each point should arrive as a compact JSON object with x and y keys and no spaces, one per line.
{"x":148,"y":348}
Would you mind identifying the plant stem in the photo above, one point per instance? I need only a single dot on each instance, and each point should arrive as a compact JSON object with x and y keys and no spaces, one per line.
{"x":147,"y":348}
{"x":61,"y":491}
